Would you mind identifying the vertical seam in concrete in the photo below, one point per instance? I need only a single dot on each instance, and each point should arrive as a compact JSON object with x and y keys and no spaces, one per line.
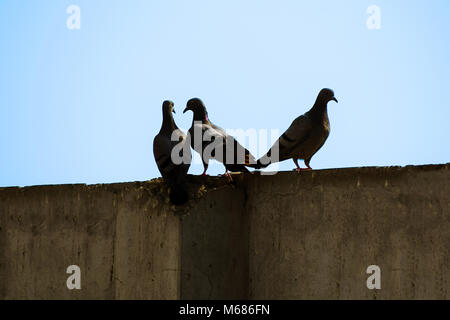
{"x":247,"y":200}
{"x":113,"y":262}
{"x":180,"y":258}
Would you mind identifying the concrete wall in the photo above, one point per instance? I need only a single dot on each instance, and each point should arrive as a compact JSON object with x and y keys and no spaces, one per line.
{"x":125,"y":242}
{"x":287,"y":236}
{"x":317,"y":233}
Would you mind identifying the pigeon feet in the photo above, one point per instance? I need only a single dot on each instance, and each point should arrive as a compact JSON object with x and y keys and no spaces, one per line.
{"x":228,"y":175}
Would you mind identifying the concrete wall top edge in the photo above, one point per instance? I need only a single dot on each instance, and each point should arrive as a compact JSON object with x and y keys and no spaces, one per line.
{"x":215,"y":181}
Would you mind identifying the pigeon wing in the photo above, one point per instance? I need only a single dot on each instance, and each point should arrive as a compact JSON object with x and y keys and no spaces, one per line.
{"x":292,"y":139}
{"x":163,"y":145}
{"x":240,"y":154}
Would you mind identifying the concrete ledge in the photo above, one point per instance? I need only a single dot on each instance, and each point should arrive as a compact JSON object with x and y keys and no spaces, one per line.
{"x":286,"y":236}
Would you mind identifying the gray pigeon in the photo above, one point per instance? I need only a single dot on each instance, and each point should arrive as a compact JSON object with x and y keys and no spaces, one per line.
{"x":212,"y":138}
{"x":304,"y":137}
{"x":172,"y":156}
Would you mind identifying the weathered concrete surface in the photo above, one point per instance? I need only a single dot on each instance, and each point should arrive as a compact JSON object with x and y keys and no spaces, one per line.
{"x":121,"y":236}
{"x":214,"y":258}
{"x":286,"y":236}
{"x":313,"y":235}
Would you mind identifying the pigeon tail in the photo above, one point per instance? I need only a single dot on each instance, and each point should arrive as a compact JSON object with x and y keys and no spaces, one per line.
{"x":257,"y":165}
{"x":178,"y":195}
{"x":262,"y":166}
{"x":236,"y":168}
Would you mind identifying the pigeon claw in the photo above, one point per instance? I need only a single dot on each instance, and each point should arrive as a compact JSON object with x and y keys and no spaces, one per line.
{"x":228,"y":175}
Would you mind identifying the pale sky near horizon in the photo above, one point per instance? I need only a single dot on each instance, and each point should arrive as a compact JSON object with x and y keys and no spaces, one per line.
{"x":83,"y":106}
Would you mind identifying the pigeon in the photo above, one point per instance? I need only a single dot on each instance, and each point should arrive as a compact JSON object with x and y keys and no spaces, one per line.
{"x":173,"y":155}
{"x":212,"y":142}
{"x":304,"y":137}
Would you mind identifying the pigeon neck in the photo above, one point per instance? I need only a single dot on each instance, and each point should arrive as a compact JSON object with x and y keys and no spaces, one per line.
{"x":201,"y":116}
{"x":168,"y":124}
{"x":319,"y":110}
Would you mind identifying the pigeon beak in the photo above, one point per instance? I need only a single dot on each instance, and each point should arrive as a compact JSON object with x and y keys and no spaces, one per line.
{"x":173,"y":110}
{"x":334,"y":99}
{"x":187,"y":109}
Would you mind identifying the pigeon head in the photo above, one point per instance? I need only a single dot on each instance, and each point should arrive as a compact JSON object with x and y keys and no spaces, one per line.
{"x":325,"y":96}
{"x":168,"y":107}
{"x":198,"y":108}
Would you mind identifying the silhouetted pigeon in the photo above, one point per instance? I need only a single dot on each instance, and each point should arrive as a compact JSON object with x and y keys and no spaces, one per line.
{"x":304,"y":137}
{"x":172,"y":155}
{"x":212,"y":142}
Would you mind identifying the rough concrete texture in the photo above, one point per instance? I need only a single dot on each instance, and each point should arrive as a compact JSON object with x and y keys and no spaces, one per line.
{"x":317,"y":233}
{"x":214,"y":241}
{"x":124,"y":240}
{"x":286,"y":236}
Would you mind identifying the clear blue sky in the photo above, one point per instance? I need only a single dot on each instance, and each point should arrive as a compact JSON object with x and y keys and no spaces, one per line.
{"x":83,"y":106}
